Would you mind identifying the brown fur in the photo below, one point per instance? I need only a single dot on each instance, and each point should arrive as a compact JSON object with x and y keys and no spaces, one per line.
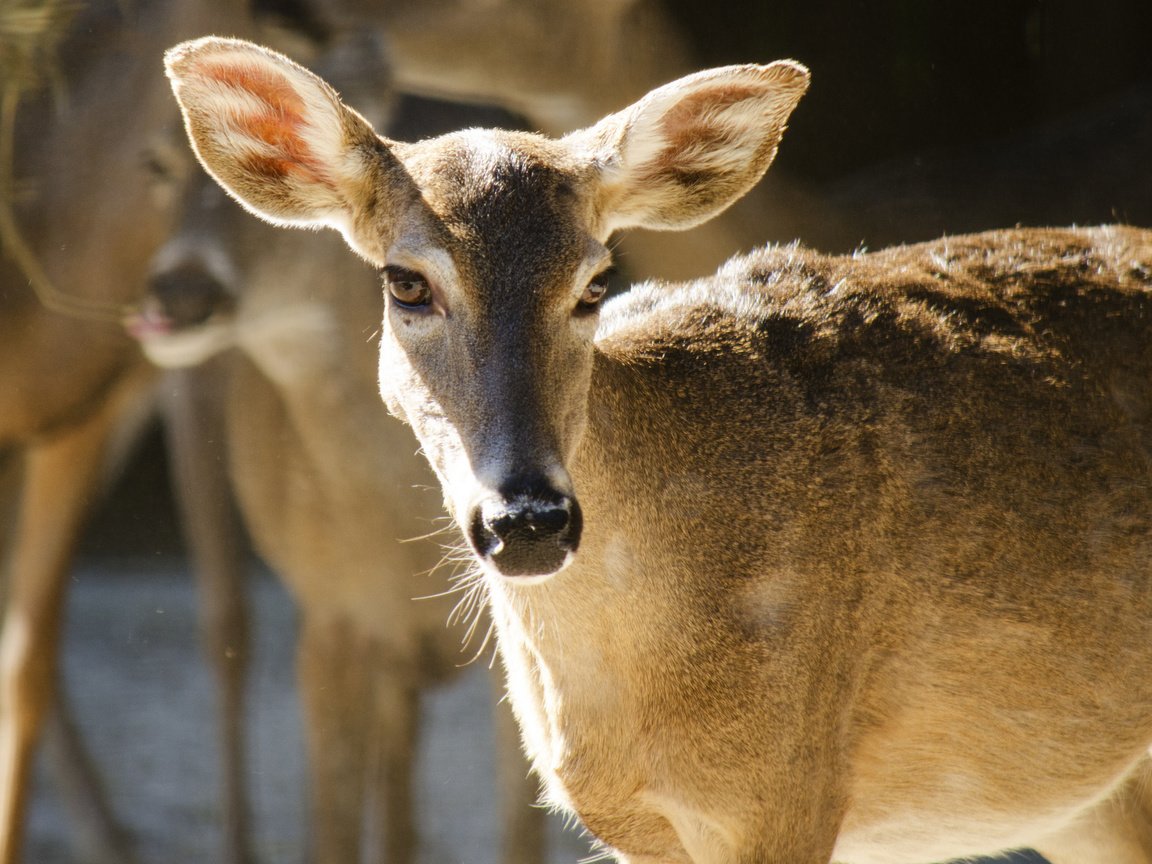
{"x":928,"y":523}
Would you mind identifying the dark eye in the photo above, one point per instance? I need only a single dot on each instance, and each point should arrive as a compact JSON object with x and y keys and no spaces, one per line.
{"x":407,"y":287}
{"x":594,"y":292}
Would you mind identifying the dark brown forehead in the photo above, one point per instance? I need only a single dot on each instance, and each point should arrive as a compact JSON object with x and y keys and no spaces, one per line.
{"x":509,"y":206}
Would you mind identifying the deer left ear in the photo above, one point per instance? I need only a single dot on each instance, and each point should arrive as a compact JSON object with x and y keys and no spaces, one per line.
{"x":689,"y":149}
{"x":277,"y":137}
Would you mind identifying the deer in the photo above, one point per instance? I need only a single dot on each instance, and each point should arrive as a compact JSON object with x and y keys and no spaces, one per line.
{"x":80,"y":223}
{"x":819,"y":558}
{"x":334,"y":495}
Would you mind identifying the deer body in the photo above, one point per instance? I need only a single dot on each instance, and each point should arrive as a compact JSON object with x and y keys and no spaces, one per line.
{"x":815,"y":559}
{"x":336,"y":524}
{"x":869,"y":634}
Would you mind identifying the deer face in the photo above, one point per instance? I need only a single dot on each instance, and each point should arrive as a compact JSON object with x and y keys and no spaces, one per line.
{"x":188,"y":314}
{"x":492,"y":250}
{"x":492,"y":285}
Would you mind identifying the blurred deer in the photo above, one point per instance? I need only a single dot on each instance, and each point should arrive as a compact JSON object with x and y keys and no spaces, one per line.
{"x":334,"y":494}
{"x":80,"y":227}
{"x":818,"y":558}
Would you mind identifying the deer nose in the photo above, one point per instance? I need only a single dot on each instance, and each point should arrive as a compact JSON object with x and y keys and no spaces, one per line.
{"x":527,"y":529}
{"x":188,"y":295}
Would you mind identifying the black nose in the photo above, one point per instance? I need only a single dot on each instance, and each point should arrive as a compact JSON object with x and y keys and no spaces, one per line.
{"x":528,"y":529}
{"x":188,"y":295}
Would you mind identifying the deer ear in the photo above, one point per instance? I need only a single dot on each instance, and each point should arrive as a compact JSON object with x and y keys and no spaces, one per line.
{"x":689,"y":149}
{"x":276,"y":136}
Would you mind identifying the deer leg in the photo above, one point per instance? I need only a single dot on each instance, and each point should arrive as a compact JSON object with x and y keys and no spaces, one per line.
{"x":1118,"y":830}
{"x":196,"y":432}
{"x":395,"y":738}
{"x":337,"y":704}
{"x":61,"y":477}
{"x":523,"y":821}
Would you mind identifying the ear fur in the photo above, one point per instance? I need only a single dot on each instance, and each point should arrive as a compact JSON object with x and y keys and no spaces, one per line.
{"x":689,"y":149}
{"x":274,"y":135}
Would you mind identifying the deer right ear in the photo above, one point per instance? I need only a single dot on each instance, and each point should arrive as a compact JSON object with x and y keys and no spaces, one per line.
{"x":277,"y":137}
{"x":689,"y":149}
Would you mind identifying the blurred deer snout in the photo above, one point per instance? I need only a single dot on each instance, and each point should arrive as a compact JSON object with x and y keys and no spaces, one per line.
{"x":527,"y":529}
{"x":185,"y":318}
{"x":188,"y":295}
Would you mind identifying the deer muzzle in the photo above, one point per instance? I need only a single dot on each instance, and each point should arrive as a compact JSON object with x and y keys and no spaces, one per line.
{"x":527,"y":529}
{"x":187,"y":296}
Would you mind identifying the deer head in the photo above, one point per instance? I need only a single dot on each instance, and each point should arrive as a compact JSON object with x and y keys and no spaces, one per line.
{"x":493,"y":248}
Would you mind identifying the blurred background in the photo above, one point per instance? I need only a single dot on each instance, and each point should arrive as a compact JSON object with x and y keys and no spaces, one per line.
{"x":922,"y":118}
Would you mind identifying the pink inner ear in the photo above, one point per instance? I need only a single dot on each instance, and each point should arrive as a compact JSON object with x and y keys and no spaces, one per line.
{"x":265,"y":84}
{"x":279,"y":126}
{"x":691,"y":123}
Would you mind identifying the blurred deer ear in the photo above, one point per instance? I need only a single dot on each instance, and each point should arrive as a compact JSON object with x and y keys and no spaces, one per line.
{"x":689,"y":149}
{"x":277,"y":137}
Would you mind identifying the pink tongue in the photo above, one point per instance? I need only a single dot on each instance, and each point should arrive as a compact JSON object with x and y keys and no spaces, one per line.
{"x":146,"y":323}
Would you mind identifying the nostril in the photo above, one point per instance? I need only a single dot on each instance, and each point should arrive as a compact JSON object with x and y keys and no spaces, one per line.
{"x":527,"y":535}
{"x":528,"y":516}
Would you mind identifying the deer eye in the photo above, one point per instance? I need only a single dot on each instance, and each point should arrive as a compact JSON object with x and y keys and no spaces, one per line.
{"x":594,"y":292}
{"x":407,"y":287}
